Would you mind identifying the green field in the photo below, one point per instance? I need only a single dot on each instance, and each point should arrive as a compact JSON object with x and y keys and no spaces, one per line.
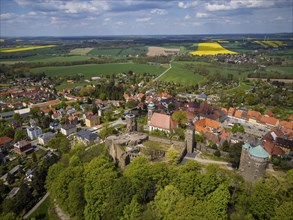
{"x":90,"y":70}
{"x":181,"y":75}
{"x":282,"y":69}
{"x":118,"y":52}
{"x":46,"y":59}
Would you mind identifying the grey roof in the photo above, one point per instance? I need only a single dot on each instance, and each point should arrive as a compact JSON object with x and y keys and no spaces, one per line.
{"x":47,"y":135}
{"x":87,"y":135}
{"x":68,"y":126}
{"x":15,"y":169}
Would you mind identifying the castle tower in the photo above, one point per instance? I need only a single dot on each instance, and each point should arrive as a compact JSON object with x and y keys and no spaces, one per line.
{"x":253,"y":162}
{"x":151,"y":108}
{"x":130,"y":123}
{"x":189,"y":138}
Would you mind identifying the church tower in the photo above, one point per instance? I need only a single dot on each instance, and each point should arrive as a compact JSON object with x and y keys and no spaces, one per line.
{"x":151,"y":108}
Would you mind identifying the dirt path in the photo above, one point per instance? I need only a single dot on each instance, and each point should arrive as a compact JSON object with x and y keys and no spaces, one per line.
{"x":36,"y":206}
{"x":60,"y":213}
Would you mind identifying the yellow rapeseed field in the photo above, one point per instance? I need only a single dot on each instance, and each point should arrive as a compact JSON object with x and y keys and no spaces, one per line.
{"x":214,"y":48}
{"x":271,"y":43}
{"x":17,"y":49}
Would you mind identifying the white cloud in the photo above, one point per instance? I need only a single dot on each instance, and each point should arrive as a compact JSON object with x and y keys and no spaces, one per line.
{"x":120,"y":23}
{"x":7,"y":16}
{"x":191,"y":4}
{"x":235,"y":4}
{"x":143,"y":19}
{"x":107,"y":19}
{"x":187,"y":17}
{"x":201,"y":15}
{"x":159,"y":11}
{"x":279,"y":18}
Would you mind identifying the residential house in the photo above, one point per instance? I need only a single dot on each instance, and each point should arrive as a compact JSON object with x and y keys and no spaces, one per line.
{"x":92,"y":120}
{"x":162,"y":122}
{"x":56,"y":116}
{"x":273,"y":150}
{"x":253,"y":116}
{"x":55,"y":126}
{"x":5,"y":143}
{"x":86,"y":137}
{"x":270,"y":121}
{"x":34,"y":131}
{"x":23,"y":147}
{"x":45,"y":138}
{"x":68,"y":129}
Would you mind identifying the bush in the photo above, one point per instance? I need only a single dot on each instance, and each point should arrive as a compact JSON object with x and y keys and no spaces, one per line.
{"x":217,"y":153}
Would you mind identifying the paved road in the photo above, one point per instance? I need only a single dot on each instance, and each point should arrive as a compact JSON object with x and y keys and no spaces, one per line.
{"x":170,"y":67}
{"x":36,"y":206}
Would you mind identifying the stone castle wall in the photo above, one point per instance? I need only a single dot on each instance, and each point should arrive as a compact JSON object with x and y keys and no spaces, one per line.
{"x":167,"y":141}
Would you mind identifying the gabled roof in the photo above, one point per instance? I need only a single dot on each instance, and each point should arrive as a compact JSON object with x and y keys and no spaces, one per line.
{"x":4,"y":140}
{"x":272,"y":149}
{"x":231,"y":111}
{"x":253,"y":114}
{"x":87,"y":135}
{"x":162,"y":121}
{"x":287,"y":124}
{"x":268,"y":120}
{"x":238,"y":114}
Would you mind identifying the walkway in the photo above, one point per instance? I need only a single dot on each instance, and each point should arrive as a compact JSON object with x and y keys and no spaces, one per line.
{"x":36,"y":206}
{"x":170,"y":67}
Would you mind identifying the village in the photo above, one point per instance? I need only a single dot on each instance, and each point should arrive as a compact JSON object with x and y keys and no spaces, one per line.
{"x":147,"y":124}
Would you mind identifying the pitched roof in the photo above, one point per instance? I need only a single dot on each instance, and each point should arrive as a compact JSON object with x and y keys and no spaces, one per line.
{"x":287,"y":124}
{"x":268,"y":120}
{"x":162,"y":121}
{"x":238,"y":113}
{"x":253,"y":114}
{"x":290,"y":118}
{"x":4,"y":140}
{"x":272,"y":149}
{"x":87,"y":135}
{"x":231,"y":111}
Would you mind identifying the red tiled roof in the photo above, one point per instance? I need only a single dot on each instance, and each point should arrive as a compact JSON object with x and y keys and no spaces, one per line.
{"x":287,"y":124}
{"x":269,"y":120}
{"x":238,"y":114}
{"x":231,"y":111}
{"x":290,"y":118}
{"x":253,"y":114}
{"x":272,"y":149}
{"x":4,"y":140}
{"x":162,"y":121}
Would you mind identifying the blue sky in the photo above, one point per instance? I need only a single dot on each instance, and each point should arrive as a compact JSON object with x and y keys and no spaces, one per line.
{"x":143,"y":17}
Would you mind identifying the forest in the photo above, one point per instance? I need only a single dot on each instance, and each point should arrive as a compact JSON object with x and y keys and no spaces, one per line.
{"x":90,"y":186}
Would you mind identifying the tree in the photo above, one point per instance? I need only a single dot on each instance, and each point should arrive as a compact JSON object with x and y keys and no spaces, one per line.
{"x":20,"y":135}
{"x":132,"y":211}
{"x":35,"y":112}
{"x":180,"y":117}
{"x":165,"y":201}
{"x":96,"y":192}
{"x":108,"y":115}
{"x":262,"y":202}
{"x":284,"y":211}
{"x":94,"y":108}
{"x":61,"y":143}
{"x":172,"y":157}
{"x":217,"y":153}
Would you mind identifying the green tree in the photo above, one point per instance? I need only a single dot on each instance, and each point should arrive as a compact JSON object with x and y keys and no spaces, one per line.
{"x":172,"y":157}
{"x":132,"y":211}
{"x":20,"y":135}
{"x":262,"y":202}
{"x":180,"y":117}
{"x":96,"y":192}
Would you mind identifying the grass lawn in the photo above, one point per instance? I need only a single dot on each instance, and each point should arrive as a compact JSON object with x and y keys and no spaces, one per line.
{"x":181,"y":75}
{"x":90,"y":70}
{"x":42,"y":212}
{"x":243,"y":87}
{"x":283,"y":69}
{"x":104,"y":52}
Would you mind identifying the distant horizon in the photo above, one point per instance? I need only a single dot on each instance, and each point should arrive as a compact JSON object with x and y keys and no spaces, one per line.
{"x":144,"y":17}
{"x":141,"y":35}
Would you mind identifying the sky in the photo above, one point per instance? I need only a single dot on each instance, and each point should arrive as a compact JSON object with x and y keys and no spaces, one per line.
{"x":143,"y":17}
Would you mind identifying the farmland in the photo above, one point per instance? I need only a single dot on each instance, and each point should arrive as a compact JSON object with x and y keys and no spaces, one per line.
{"x":180,"y":74}
{"x":18,"y":49}
{"x":91,"y":70}
{"x":214,"y":48}
{"x":80,"y":51}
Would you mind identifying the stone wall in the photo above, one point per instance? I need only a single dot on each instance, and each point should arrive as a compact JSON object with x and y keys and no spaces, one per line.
{"x":167,"y":141}
{"x":206,"y":149}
